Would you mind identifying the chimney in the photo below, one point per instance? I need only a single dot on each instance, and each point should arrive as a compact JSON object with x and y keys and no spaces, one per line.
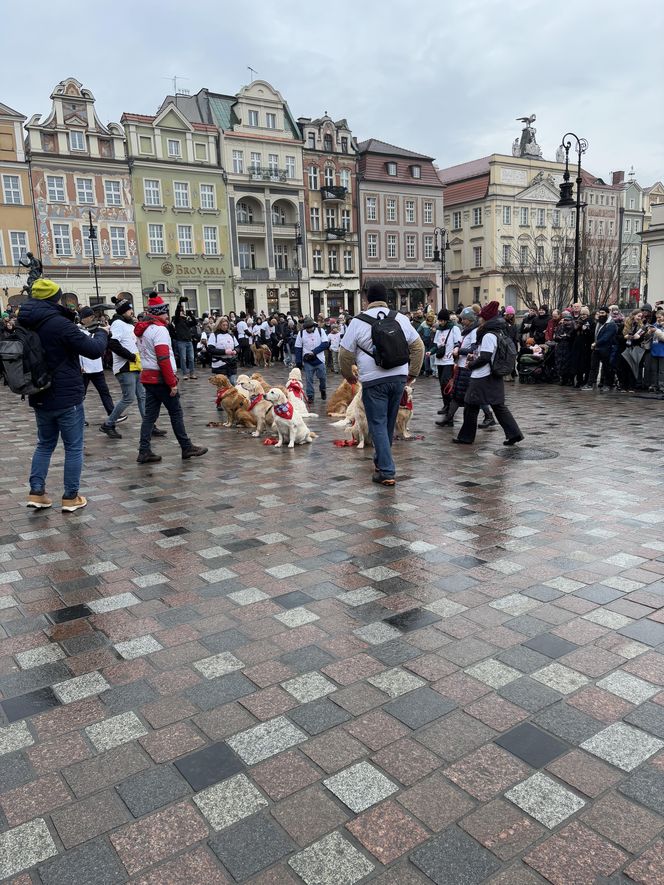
{"x":618,"y":177}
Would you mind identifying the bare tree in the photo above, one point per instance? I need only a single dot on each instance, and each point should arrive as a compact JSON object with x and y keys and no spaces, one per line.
{"x":599,"y":271}
{"x":541,"y":270}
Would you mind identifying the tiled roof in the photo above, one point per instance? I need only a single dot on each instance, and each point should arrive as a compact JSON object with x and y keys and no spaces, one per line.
{"x":466,"y":191}
{"x":464,"y":170}
{"x":146,"y":118}
{"x":374,"y":146}
{"x":6,"y":111}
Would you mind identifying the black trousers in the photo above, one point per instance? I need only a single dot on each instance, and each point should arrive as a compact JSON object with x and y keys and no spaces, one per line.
{"x":444,"y":375}
{"x":156,"y":396}
{"x":503,"y":416}
{"x":99,"y":381}
{"x":603,"y":359}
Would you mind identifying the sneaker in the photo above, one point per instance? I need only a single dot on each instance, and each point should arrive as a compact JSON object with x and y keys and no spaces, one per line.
{"x":147,"y":458}
{"x":512,"y":440}
{"x":39,"y":501}
{"x":488,"y":422}
{"x":71,"y":504}
{"x":389,"y":481}
{"x":193,"y":377}
{"x":441,"y":412}
{"x":587,"y":387}
{"x":157,"y":432}
{"x":111,"y":432}
{"x":323,"y":395}
{"x":193,"y":452}
{"x":120,"y":419}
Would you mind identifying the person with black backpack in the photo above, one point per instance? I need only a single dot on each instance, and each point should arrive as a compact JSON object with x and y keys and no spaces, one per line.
{"x":494,"y":358}
{"x":58,"y":405}
{"x":388,"y":353}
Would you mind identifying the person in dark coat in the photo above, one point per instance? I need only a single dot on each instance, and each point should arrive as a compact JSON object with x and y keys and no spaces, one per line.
{"x":539,"y":324}
{"x":602,"y":351}
{"x":563,"y":336}
{"x":484,"y":387}
{"x":582,"y":348}
{"x":59,"y":408}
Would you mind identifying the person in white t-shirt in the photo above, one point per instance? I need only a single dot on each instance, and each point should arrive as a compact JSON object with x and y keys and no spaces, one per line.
{"x":445,"y":339}
{"x":310,"y":346}
{"x":382,"y":389}
{"x":93,"y":370}
{"x":335,"y":343}
{"x":223,"y":348}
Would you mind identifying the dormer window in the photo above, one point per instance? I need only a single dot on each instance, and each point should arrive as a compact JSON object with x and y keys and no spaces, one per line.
{"x":311,"y":140}
{"x":76,"y":140}
{"x":253,"y":118}
{"x":391,"y":168}
{"x":327,"y":143}
{"x":344,"y":145}
{"x":416,"y":171}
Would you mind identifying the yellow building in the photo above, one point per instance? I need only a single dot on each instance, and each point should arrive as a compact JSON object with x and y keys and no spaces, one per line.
{"x":17,"y":227}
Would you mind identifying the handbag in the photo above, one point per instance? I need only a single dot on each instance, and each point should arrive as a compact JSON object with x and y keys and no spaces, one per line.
{"x":449,"y":387}
{"x":442,"y":348}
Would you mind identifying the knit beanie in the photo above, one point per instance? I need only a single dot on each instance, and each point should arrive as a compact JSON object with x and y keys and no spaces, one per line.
{"x":468,"y":314}
{"x":156,"y":305}
{"x":509,"y":310}
{"x":490,"y":310}
{"x":43,"y":289}
{"x":122,"y":305}
{"x":443,"y":315}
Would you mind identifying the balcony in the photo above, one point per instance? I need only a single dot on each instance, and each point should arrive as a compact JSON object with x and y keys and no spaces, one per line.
{"x":251,"y":228}
{"x":283,"y":229}
{"x":254,"y":273}
{"x":333,"y":194}
{"x":335,"y":233}
{"x":286,"y":273}
{"x":268,"y":175}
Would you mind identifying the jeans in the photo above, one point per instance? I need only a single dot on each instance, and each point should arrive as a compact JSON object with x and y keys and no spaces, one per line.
{"x":601,"y":358}
{"x":223,"y":370}
{"x":69,"y":424}
{"x":381,"y":404}
{"x":156,"y":396}
{"x":312,"y":370}
{"x":335,"y":361}
{"x":132,"y":389}
{"x":288,"y":355}
{"x":503,"y":416}
{"x":99,"y":381}
{"x":186,"y":357}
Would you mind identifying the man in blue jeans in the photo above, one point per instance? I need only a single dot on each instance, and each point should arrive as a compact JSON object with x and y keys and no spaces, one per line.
{"x":59,"y":408}
{"x":310,"y":346}
{"x":381,"y":388}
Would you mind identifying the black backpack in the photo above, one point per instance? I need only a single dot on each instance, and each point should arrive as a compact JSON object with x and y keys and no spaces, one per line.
{"x":504,"y":359}
{"x":389,"y":346}
{"x":23,"y":361}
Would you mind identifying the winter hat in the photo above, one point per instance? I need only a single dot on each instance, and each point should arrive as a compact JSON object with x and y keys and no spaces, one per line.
{"x":86,"y":312}
{"x":468,"y":314}
{"x":490,"y":310}
{"x":509,"y":310}
{"x":122,"y":305}
{"x":43,"y":289}
{"x":308,"y":322}
{"x":443,"y":315}
{"x":156,"y":305}
{"x":376,"y":292}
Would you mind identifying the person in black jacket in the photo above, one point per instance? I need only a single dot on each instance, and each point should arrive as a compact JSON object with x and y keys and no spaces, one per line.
{"x":59,"y":408}
{"x":183,"y":329}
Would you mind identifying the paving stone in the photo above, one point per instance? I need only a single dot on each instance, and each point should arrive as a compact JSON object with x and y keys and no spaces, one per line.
{"x":265,"y":740}
{"x":487,"y":772}
{"x":529,"y":694}
{"x":317,"y":716}
{"x":376,"y":729}
{"x":550,"y":645}
{"x":455,"y":735}
{"x":231,"y":800}
{"x":645,"y":630}
{"x":625,"y":823}
{"x":15,"y":737}
{"x":649,"y":717}
{"x":194,"y":866}
{"x":360,"y":786}
{"x":108,"y":768}
{"x":628,"y":687}
{"x":502,"y":829}
{"x":34,"y":799}
{"x":332,"y":860}
{"x":115,"y":731}
{"x":112,"y":603}
{"x":214,"y":693}
{"x":623,"y":745}
{"x":585,"y":773}
{"x":80,"y":687}
{"x":647,"y":787}
{"x":284,"y":774}
{"x":560,"y":678}
{"x":575,"y":854}
{"x":419,"y":707}
{"x":25,"y":846}
{"x":209,"y":765}
{"x":493,"y":673}
{"x":125,"y":698}
{"x":406,"y":760}
{"x":218,"y":665}
{"x":309,"y":687}
{"x":15,"y":770}
{"x":544,"y":799}
{"x":649,"y":868}
{"x":568,"y":723}
{"x":269,"y":844}
{"x":89,"y":817}
{"x":94,"y":863}
{"x":136,"y":648}
{"x":387,"y":831}
{"x":309,"y":814}
{"x":396,"y":682}
{"x":452,"y":856}
{"x":35,"y":657}
{"x":149,"y":790}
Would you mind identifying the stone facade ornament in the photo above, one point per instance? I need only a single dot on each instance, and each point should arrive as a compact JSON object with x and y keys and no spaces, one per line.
{"x":526,"y":145}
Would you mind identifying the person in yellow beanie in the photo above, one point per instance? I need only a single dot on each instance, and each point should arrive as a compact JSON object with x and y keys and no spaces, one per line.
{"x":59,"y":406}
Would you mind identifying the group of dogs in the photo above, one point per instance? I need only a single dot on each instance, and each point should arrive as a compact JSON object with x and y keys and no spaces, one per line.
{"x":251,"y":402}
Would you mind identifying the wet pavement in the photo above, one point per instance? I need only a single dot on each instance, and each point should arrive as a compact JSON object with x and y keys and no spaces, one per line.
{"x":259,"y":667}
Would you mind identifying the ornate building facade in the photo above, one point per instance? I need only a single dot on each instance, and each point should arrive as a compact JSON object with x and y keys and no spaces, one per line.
{"x":79,"y":172}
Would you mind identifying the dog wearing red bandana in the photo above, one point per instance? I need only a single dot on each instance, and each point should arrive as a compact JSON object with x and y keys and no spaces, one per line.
{"x":287,"y":420}
{"x":405,"y":413}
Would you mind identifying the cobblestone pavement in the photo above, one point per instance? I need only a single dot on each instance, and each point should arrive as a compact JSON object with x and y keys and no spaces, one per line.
{"x":259,"y":667}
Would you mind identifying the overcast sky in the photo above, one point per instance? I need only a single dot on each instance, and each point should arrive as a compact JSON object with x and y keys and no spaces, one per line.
{"x":444,"y":77}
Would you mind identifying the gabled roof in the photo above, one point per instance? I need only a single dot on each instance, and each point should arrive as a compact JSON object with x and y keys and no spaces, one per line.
{"x":146,"y":118}
{"x":6,"y":111}
{"x":466,"y":191}
{"x":374,"y":146}
{"x":464,"y":170}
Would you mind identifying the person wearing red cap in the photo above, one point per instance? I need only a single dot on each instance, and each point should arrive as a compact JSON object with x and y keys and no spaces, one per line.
{"x":484,"y":387}
{"x":158,"y":375}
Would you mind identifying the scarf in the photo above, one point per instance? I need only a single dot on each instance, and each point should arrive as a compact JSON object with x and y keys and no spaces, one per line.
{"x":284,"y":410}
{"x":254,"y":401}
{"x":406,"y":402}
{"x":297,"y":388}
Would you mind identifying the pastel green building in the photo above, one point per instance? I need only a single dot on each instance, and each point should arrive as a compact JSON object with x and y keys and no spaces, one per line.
{"x":181,"y":208}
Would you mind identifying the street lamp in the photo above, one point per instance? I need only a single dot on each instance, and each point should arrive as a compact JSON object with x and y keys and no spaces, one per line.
{"x":439,"y":254}
{"x":92,"y":236}
{"x":567,"y":200}
{"x":298,"y":244}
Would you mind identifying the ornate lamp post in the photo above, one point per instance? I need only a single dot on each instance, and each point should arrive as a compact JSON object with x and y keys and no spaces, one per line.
{"x":567,"y":200}
{"x":298,"y":267}
{"x":92,"y":236}
{"x":441,"y":247}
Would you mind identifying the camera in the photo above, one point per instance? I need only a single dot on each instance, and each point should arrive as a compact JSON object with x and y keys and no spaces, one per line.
{"x":183,"y":298}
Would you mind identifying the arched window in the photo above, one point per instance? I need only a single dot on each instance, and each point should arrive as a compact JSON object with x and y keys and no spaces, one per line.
{"x":244,"y":214}
{"x":278,"y":215}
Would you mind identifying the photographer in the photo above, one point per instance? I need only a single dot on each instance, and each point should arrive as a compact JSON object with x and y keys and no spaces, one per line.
{"x":59,"y":408}
{"x":183,"y":330}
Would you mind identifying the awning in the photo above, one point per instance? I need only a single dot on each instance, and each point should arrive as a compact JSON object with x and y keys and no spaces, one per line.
{"x":402,"y":282}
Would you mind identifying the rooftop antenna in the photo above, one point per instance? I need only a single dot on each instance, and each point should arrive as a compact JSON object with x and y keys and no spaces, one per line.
{"x":631,"y":174}
{"x":252,"y":71}
{"x":174,"y":80}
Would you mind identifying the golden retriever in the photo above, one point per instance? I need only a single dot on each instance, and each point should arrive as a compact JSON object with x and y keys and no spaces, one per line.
{"x":233,"y":402}
{"x":263,"y":383}
{"x":340,"y":400}
{"x":405,"y":413}
{"x":355,"y":423}
{"x":296,"y":395}
{"x":262,"y":355}
{"x":258,"y":405}
{"x":288,"y":421}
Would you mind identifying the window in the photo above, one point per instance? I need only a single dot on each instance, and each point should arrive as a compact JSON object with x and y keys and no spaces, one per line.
{"x":84,"y":191}
{"x":281,"y":256}
{"x":255,"y":162}
{"x":278,"y":215}
{"x":314,"y":217}
{"x":344,"y":144}
{"x":145,"y":144}
{"x":392,"y":246}
{"x":238,"y":162}
{"x":11,"y":187}
{"x":612,"y":227}
{"x":247,"y":256}
{"x":601,"y":199}
{"x":208,"y":196}
{"x":428,"y":212}
{"x":345,"y":219}
{"x":152,"y":191}
{"x":2,"y":254}
{"x":271,"y":121}
{"x":628,"y":225}
{"x":328,"y":176}
{"x":118,"y":242}
{"x":333,"y":259}
{"x":391,"y":209}
{"x":507,"y":215}
{"x":590,"y":225}
{"x":600,"y":227}
{"x":477,"y":256}
{"x":556,"y":218}
{"x":244,"y":214}
{"x":428,"y":248}
{"x":634,"y":257}
{"x":327,"y":143}
{"x":318,"y":260}
{"x":76,"y":140}
{"x":477,"y":215}
{"x":372,"y":245}
{"x":313,"y":178}
{"x":507,"y":254}
{"x":456,"y":221}
{"x":273,"y":164}
{"x":348,"y":261}
{"x":555,"y":255}
{"x":253,"y":118}
{"x":592,"y":199}
{"x":344,"y":178}
{"x":539,"y":255}
{"x":371,"y":213}
{"x":290,"y":167}
{"x":112,"y":193}
{"x":210,"y":240}
{"x":523,"y":215}
{"x":215,"y":299}
{"x":391,"y":168}
{"x":181,"y":194}
{"x":62,"y":239}
{"x":476,"y":293}
{"x":311,"y":140}
{"x":410,"y":211}
{"x":185,"y":239}
{"x":174,"y":147}
{"x":637,"y":226}
{"x":541,"y":217}
{"x":523,"y":255}
{"x":330,"y":218}
{"x":456,"y":259}
{"x":411,"y":248}
{"x":613,"y":201}
{"x":18,"y":240}
{"x":156,"y":239}
{"x":55,"y":185}
{"x":416,"y":171}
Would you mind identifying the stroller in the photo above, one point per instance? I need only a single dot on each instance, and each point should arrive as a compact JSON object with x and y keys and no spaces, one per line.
{"x":534,"y":371}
